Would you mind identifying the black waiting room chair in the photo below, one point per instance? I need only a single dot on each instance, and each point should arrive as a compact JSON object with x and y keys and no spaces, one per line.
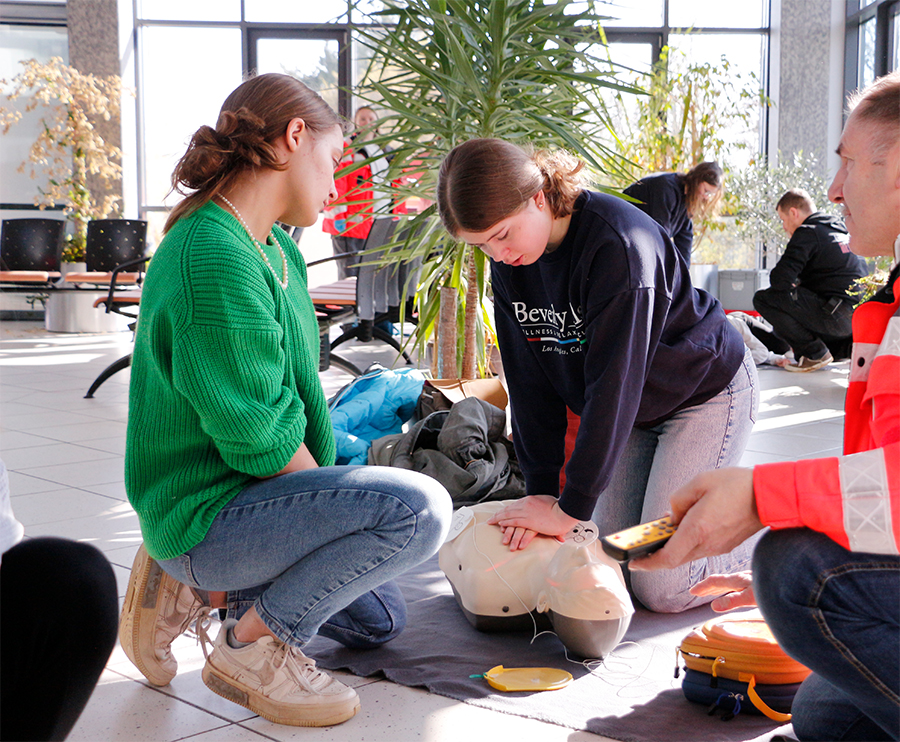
{"x":30,"y":251}
{"x":110,"y":243}
{"x":125,"y":303}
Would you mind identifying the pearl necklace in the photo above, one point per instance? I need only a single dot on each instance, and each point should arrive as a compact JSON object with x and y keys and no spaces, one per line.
{"x":283,"y":281}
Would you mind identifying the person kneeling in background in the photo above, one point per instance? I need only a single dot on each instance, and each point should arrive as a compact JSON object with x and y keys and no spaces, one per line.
{"x":810,"y":298}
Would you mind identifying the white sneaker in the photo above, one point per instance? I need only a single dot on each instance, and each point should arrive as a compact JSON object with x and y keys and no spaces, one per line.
{"x":278,"y":682}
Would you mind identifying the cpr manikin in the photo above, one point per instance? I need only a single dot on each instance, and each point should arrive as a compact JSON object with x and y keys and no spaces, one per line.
{"x":572,"y":586}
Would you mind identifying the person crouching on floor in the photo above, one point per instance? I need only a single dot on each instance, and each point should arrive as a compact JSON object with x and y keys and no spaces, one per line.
{"x":230,"y":449}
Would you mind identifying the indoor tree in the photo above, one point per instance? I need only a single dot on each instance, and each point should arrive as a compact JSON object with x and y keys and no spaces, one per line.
{"x":756,"y":189}
{"x":68,"y":147}
{"x":445,"y":71}
{"x":693,"y":112}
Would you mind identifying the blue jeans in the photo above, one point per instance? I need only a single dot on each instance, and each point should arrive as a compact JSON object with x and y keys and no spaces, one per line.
{"x":838,"y":613}
{"x":659,"y":460}
{"x":314,"y":551}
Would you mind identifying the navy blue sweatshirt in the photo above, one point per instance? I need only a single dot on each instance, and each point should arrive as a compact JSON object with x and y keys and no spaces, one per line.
{"x":609,"y":325}
{"x":662,"y":197}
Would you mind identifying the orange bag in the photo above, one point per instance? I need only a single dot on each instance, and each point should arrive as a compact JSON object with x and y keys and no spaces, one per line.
{"x":741,"y":647}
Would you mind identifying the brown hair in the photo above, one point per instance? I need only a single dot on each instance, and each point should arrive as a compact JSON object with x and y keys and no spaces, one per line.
{"x":485,"y":180}
{"x":796,"y":198}
{"x":706,"y":172}
{"x":255,"y":114}
{"x":880,"y":104}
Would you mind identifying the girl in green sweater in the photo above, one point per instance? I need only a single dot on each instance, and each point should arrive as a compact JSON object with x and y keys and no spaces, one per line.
{"x":230,"y":454}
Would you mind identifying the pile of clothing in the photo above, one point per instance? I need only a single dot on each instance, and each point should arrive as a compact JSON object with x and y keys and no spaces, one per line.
{"x":464,"y":447}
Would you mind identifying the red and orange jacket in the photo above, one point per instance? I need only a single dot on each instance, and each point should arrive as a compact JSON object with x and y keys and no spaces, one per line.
{"x":855,"y":498}
{"x":350,"y":214}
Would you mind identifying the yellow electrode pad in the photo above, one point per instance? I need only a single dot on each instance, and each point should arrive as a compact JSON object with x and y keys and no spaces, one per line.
{"x":527,"y":678}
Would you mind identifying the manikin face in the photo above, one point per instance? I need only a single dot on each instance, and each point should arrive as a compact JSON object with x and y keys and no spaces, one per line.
{"x":867,"y":185}
{"x":313,"y":161}
{"x":519,"y":239}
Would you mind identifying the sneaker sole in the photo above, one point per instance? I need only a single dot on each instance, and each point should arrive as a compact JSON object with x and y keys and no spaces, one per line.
{"x":797,"y":370}
{"x":316,"y":715}
{"x":146,"y":579}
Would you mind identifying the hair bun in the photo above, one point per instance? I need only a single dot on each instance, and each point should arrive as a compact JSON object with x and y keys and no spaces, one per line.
{"x":238,"y":142}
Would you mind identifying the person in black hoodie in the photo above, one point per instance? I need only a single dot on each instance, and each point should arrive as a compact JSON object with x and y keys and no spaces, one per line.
{"x":810,"y":298}
{"x":674,"y":200}
{"x":596,"y":315}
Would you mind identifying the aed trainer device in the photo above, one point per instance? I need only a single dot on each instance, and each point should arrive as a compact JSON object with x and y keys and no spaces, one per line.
{"x":511,"y":679}
{"x":639,"y":540}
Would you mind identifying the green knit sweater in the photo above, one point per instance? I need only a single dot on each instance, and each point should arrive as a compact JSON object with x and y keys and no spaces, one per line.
{"x":224,"y":379}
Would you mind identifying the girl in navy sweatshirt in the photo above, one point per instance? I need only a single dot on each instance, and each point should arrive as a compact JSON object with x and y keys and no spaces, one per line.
{"x":596,"y":314}
{"x":674,"y":200}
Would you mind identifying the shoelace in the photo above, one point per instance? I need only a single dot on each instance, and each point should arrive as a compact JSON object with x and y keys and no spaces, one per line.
{"x":200,"y":628}
{"x":300,"y":667}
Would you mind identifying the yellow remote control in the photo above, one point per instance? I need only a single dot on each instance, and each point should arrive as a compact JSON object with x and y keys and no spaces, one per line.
{"x":639,"y":540}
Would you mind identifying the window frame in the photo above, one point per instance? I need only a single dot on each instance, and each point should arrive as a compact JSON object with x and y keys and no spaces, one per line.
{"x":32,"y":14}
{"x":886,"y":14}
{"x":253,"y":31}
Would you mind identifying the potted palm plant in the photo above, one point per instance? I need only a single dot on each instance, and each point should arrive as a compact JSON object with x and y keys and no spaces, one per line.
{"x":444,"y":71}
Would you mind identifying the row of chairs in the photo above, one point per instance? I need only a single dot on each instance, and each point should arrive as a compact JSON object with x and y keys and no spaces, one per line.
{"x":30,"y":261}
{"x":31,"y":249}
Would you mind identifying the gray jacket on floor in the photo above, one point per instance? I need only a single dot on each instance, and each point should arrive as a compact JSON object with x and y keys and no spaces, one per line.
{"x":463,"y":448}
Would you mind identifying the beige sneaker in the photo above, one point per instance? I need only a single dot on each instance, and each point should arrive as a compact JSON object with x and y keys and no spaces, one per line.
{"x":809,"y":364}
{"x":157,"y":610}
{"x":278,"y":682}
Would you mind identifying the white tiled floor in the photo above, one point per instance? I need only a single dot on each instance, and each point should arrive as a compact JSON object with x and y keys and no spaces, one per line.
{"x":65,"y":456}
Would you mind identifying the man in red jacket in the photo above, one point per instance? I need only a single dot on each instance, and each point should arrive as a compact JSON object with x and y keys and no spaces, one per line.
{"x":348,"y":219}
{"x":827,"y":575}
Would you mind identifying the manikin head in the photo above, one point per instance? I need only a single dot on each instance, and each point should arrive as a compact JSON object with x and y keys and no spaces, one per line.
{"x":574,"y":584}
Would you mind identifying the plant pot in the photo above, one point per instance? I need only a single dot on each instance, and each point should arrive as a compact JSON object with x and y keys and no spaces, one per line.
{"x":73,"y":310}
{"x":65,"y":268}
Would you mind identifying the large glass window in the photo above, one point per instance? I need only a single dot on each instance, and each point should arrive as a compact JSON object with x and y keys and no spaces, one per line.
{"x":192,"y":53}
{"x":313,"y":41}
{"x":720,"y":48}
{"x":717,"y":14}
{"x":312,"y":61}
{"x":872,"y":41}
{"x":744,"y":55}
{"x":697,"y":32}
{"x":894,"y":55}
{"x":867,"y":52}
{"x":278,"y":11}
{"x":633,"y":13}
{"x":17,"y":44}
{"x":176,"y":104}
{"x":190,"y":10}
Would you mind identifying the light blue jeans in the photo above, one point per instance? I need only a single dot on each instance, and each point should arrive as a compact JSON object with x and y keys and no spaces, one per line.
{"x":659,"y":460}
{"x":314,"y":551}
